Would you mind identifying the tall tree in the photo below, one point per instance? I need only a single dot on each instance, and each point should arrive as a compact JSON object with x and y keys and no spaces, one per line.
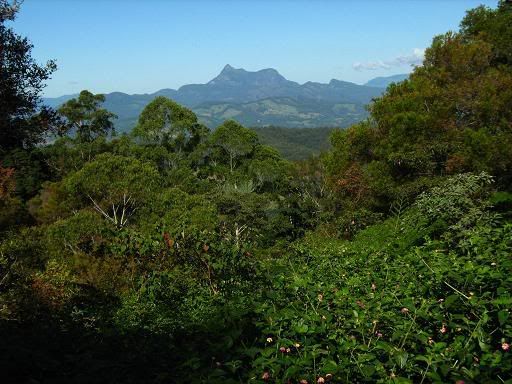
{"x":165,"y":122}
{"x":235,"y":140}
{"x":86,"y":118}
{"x":116,"y":186}
{"x":23,"y":122}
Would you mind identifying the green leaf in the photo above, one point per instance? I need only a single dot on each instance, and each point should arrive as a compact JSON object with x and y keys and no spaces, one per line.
{"x":502,"y":317}
{"x":330,"y":366}
{"x":401,"y":358}
{"x":368,"y":370}
{"x":450,"y":300}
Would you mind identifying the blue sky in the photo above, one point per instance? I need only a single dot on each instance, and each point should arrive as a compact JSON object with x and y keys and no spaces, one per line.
{"x":140,"y":46}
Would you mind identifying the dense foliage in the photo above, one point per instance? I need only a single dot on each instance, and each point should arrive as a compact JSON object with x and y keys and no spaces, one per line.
{"x":178,"y":255}
{"x":452,"y":115}
{"x":295,"y":143}
{"x":22,"y":122}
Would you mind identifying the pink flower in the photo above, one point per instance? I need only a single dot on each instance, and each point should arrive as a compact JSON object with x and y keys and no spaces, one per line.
{"x":282,"y":349}
{"x":505,"y":346}
{"x":320,"y":380}
{"x":379,"y":334}
{"x":443,"y":329}
{"x":303,"y":381}
{"x":265,"y":376}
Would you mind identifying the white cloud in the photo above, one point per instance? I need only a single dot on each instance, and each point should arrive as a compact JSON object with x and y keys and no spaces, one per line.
{"x":415,"y":58}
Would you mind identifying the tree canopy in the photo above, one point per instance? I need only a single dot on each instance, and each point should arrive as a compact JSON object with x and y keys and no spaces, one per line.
{"x":452,"y":115}
{"x":86,"y":118}
{"x":23,"y":122}
{"x":234,"y":140}
{"x":163,"y":121}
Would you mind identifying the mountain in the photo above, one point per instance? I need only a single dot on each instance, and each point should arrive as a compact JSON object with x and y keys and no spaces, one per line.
{"x":54,"y":102}
{"x":257,"y":98}
{"x":383,"y":82}
{"x":240,"y":86}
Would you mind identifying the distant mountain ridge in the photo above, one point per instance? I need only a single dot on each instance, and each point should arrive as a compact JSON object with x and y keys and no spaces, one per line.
{"x":259,"y":98}
{"x":383,"y":82}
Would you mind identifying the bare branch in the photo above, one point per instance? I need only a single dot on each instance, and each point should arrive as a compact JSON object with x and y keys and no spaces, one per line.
{"x":98,"y":209}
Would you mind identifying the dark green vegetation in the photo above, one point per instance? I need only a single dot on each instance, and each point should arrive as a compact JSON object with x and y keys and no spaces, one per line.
{"x":261,"y":98}
{"x":295,"y":143}
{"x":177,"y":255}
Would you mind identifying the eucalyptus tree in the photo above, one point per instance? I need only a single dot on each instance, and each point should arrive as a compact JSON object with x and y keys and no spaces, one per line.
{"x":165,"y":122}
{"x":114,"y":186}
{"x":235,"y":141}
{"x":85,"y":117}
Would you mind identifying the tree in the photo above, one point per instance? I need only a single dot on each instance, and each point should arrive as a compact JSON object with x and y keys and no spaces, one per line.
{"x":11,"y":212}
{"x":7,"y":183}
{"x":492,"y":26}
{"x":8,"y":10}
{"x":23,"y":122}
{"x":268,"y":169}
{"x":167,"y":123}
{"x":452,"y":115}
{"x":235,"y":140}
{"x":116,"y":186}
{"x":84,"y":116}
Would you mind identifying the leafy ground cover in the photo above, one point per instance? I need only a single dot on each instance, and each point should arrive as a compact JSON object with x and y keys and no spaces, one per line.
{"x":408,"y":300}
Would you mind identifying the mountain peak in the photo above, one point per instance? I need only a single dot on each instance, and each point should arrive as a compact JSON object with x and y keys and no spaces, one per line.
{"x":227,"y":68}
{"x":269,"y":71}
{"x":237,"y":76}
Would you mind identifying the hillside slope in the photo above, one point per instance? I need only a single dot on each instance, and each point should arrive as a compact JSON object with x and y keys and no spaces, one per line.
{"x":295,"y":144}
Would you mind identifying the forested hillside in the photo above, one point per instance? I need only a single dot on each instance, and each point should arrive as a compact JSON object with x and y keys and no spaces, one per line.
{"x":295,"y":143}
{"x":177,"y":254}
